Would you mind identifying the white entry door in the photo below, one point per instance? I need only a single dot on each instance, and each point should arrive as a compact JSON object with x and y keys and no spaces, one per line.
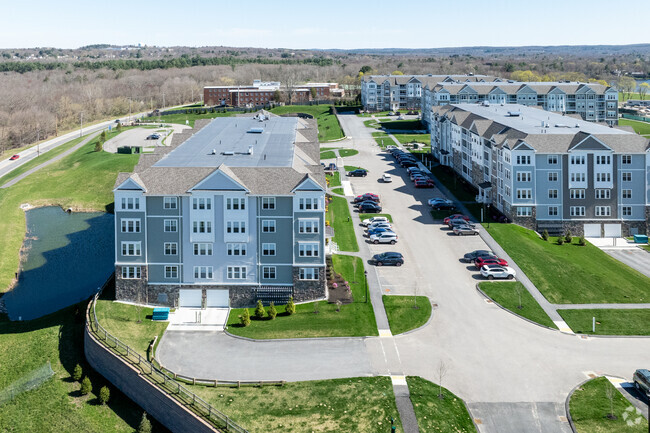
{"x":217,"y":298}
{"x":592,"y":230}
{"x":190,"y":298}
{"x":612,"y":230}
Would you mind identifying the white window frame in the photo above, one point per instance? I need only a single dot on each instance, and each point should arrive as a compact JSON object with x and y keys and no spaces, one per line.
{"x":170,"y":202}
{"x":201,"y":203}
{"x":626,"y":193}
{"x":131,"y":272}
{"x":524,"y":193}
{"x":130,"y":225}
{"x":308,"y":249}
{"x":524,"y":211}
{"x":603,"y":211}
{"x":202,"y":226}
{"x":236,"y":249}
{"x":626,"y":159}
{"x":268,"y":249}
{"x":236,"y":227}
{"x":626,"y":210}
{"x":577,"y":193}
{"x":269,"y":272}
{"x":577,"y":211}
{"x":202,"y":249}
{"x":524,"y":176}
{"x":552,"y":159}
{"x":203,"y":272}
{"x":310,"y":274}
{"x":553,"y":210}
{"x":236,"y":272}
{"x":130,"y":203}
{"x":131,"y":249}
{"x":170,"y":226}
{"x":268,"y":226}
{"x":603,"y":194}
{"x":268,"y":203}
{"x":235,"y":203}
{"x":171,"y":248}
{"x":552,"y":193}
{"x":552,"y":176}
{"x":626,"y":176}
{"x":308,"y":226}
{"x":603,"y":177}
{"x":171,"y":272}
{"x":308,"y":203}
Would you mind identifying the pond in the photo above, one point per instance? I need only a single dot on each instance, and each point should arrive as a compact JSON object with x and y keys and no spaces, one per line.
{"x":67,"y":257}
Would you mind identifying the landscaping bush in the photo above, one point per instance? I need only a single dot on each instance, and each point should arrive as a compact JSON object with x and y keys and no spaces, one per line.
{"x":259,"y":310}
{"x":272,"y":312}
{"x":245,"y":317}
{"x":581,"y":241}
{"x":545,"y":235}
{"x":568,"y":238}
{"x":86,"y":386}
{"x":560,"y":240}
{"x":290,"y":308}
{"x":77,"y":373}
{"x":104,"y":395}
{"x":145,"y":424}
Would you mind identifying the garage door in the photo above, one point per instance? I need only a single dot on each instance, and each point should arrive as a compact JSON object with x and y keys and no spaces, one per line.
{"x":217,"y":298}
{"x":191,"y":298}
{"x":592,"y":230}
{"x":612,"y":230}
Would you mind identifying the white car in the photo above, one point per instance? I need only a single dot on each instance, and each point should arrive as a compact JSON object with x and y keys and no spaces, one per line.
{"x":438,"y":200}
{"x":391,"y":147}
{"x":495,"y":271}
{"x":369,"y":221}
{"x":386,"y":178}
{"x":380,"y":224}
{"x":384,"y":238}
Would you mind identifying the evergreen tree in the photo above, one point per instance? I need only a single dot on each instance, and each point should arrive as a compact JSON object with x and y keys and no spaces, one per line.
{"x":259,"y":310}
{"x":77,"y":373}
{"x":272,"y":312}
{"x":86,"y":386}
{"x":291,"y":307}
{"x":245,"y":317}
{"x":104,"y":394}
{"x":145,"y":424}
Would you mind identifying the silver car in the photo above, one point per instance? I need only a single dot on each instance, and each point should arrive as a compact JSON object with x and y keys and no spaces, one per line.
{"x":465,"y":229}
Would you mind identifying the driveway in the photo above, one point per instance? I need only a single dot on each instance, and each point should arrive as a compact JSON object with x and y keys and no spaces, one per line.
{"x":138,"y":137}
{"x":635,"y":258}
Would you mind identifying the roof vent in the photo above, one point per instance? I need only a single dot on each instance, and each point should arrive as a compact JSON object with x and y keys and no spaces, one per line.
{"x":255,"y":130}
{"x":228,"y":153}
{"x":250,"y":149}
{"x":514,"y":113}
{"x":214,"y":152}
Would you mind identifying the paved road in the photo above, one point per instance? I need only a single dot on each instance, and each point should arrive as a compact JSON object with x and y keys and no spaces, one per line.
{"x":514,"y":375}
{"x":635,"y":258}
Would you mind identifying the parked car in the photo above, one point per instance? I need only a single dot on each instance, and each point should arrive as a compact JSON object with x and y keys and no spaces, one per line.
{"x":424,"y":183}
{"x":437,"y":200}
{"x":456,"y":215}
{"x":15,"y":157}
{"x":464,"y":229}
{"x":377,"y":230}
{"x":391,"y":147}
{"x":487,"y":260}
{"x":380,"y":224}
{"x":407,"y":163}
{"x":387,"y":178}
{"x":412,"y":170}
{"x":369,"y":221}
{"x":153,"y":137}
{"x":359,"y":172}
{"x":331,"y":167}
{"x":443,"y":206}
{"x":641,"y":380}
{"x":495,"y":271}
{"x":369,"y":207}
{"x":384,"y":238}
{"x":459,"y":222}
{"x":365,"y":197}
{"x":388,"y":258}
{"x":470,"y":257}
{"x":415,"y":174}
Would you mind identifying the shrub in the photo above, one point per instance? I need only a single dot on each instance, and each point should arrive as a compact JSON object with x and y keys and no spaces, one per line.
{"x":568,"y":238}
{"x":102,"y":136}
{"x":581,"y":241}
{"x":245,"y":318}
{"x":98,"y":146}
{"x":77,"y":373}
{"x":259,"y":310}
{"x":560,"y":240}
{"x":86,"y":386}
{"x":291,"y":307}
{"x":545,"y":235}
{"x":104,"y":395}
{"x":272,"y":312}
{"x":119,"y":127}
{"x":145,"y":424}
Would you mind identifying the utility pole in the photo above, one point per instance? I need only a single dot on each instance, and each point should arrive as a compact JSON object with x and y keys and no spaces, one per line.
{"x":163,"y":100}
{"x":81,"y":121}
{"x":38,"y":139}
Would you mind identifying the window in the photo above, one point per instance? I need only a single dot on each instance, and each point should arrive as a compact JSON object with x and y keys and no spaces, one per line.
{"x":627,"y":176}
{"x":308,"y":249}
{"x":236,"y":227}
{"x":627,"y":159}
{"x":268,"y":226}
{"x":603,"y":211}
{"x":235,"y":203}
{"x":202,"y":226}
{"x":171,"y":248}
{"x":524,"y":194}
{"x":603,"y":159}
{"x":523,"y":176}
{"x":268,"y":272}
{"x":268,"y":249}
{"x":203,"y":272}
{"x":131,"y":272}
{"x":577,"y":210}
{"x":171,"y":226}
{"x":308,"y":273}
{"x":236,"y":272}
{"x":268,"y":203}
{"x":236,"y":249}
{"x":577,"y":159}
{"x":524,"y":211}
{"x":308,"y":204}
{"x":307,"y":226}
{"x":170,"y":203}
{"x":552,"y":210}
{"x":627,"y":210}
{"x":552,"y":159}
{"x":578,"y":177}
{"x":602,"y":193}
{"x":131,"y":249}
{"x":552,"y":176}
{"x":523,"y":159}
{"x":202,"y":249}
{"x":627,"y":193}
{"x":171,"y":271}
{"x":130,"y":203}
{"x":130,"y":225}
{"x":603,"y":177}
{"x":577,"y":193}
{"x":552,"y":193}
{"x":201,"y":203}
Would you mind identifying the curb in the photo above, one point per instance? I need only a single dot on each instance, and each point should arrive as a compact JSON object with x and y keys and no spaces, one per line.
{"x":273,"y":340}
{"x":410,"y":331}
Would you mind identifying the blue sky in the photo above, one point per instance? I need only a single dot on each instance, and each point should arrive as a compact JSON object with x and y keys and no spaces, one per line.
{"x":309,"y":24}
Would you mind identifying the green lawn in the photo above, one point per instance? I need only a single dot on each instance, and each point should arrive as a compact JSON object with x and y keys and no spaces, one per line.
{"x":191,"y":117}
{"x":364,"y":216}
{"x":506,"y":294}
{"x":589,"y":407}
{"x":338,"y":191}
{"x":410,"y":125}
{"x":352,"y":167}
{"x":335,"y":179}
{"x":406,"y":312}
{"x":453,"y":184}
{"x":329,"y":128}
{"x":608,"y":322}
{"x":338,"y":215}
{"x":645,"y":247}
{"x":568,"y":274}
{"x":382,"y":139}
{"x":360,"y":404}
{"x":642,"y":128}
{"x":413,"y":138}
{"x":372,"y":123}
{"x":354,"y":320}
{"x":435,"y":414}
{"x":328,"y":154}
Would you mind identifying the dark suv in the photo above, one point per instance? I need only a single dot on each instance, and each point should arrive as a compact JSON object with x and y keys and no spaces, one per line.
{"x":388,"y":258}
{"x":642,"y":380}
{"x":359,"y":172}
{"x":369,"y":207}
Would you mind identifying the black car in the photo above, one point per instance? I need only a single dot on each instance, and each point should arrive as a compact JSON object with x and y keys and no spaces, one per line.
{"x":642,"y":380}
{"x":369,"y":207}
{"x":388,"y":258}
{"x":408,"y":163}
{"x":359,"y":172}
{"x":443,"y":206}
{"x":470,"y":257}
{"x":153,"y":137}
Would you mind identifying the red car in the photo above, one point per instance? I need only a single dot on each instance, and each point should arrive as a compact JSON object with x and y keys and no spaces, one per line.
{"x":454,"y":216}
{"x":15,"y":157}
{"x":423,"y":183}
{"x":367,"y":196}
{"x":489,"y":261}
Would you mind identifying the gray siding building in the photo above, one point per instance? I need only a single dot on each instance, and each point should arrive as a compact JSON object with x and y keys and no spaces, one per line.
{"x":547,"y":171}
{"x":231,"y":211}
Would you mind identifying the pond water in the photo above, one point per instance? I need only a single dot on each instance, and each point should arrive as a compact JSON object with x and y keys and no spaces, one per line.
{"x":67,"y":258}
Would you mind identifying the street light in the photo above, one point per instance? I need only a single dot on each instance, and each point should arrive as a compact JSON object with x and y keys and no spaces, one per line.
{"x":365,"y":274}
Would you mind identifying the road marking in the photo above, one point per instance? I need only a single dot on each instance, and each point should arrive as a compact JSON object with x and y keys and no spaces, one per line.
{"x":385,"y":333}
{"x":398,"y":380}
{"x":563,"y":327}
{"x":616,"y":381}
{"x":347,"y":188}
{"x":590,"y":374}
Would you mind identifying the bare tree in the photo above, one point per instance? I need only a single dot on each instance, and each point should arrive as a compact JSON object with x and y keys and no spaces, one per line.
{"x":518,"y":290}
{"x":610,"y":392}
{"x":441,"y":373}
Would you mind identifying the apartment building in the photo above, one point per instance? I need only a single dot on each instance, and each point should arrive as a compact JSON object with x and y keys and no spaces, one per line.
{"x":233,"y":211}
{"x":592,"y":101}
{"x":546,"y":171}
{"x":262,"y":93}
{"x":399,"y":92}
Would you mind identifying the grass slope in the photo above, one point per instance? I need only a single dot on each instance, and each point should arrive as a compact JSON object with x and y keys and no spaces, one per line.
{"x":334,"y":178}
{"x":505,"y":294}
{"x":338,"y":215}
{"x":181,"y":118}
{"x":642,"y":128}
{"x":329,"y":128}
{"x":354,"y":320}
{"x":328,"y":154}
{"x":402,"y":316}
{"x":568,"y":274}
{"x":434,"y":414}
{"x":413,"y":138}
{"x":589,"y":407}
{"x":608,"y":322}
